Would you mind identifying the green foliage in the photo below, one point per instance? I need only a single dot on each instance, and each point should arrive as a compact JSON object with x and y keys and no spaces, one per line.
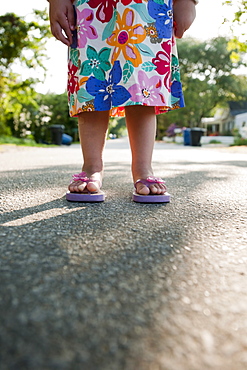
{"x":239,"y":20}
{"x":240,"y":14}
{"x":16,"y":96}
{"x":19,"y":36}
{"x":21,"y":43}
{"x":239,"y":142}
{"x":17,"y":141}
{"x":117,"y":126}
{"x":53,"y":110}
{"x":215,"y":142}
{"x":207,"y":75}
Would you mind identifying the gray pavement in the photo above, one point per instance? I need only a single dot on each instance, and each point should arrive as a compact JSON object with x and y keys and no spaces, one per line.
{"x":119,"y":285}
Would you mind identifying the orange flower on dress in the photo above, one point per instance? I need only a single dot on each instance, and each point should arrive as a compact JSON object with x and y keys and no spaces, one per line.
{"x":125,"y":37}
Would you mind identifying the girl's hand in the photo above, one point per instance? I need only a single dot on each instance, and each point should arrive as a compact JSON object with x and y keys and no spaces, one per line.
{"x":184,"y":12}
{"x":62,"y":20}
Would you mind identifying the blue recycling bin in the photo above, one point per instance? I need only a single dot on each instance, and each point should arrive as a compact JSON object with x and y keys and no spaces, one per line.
{"x":66,"y":139}
{"x":187,"y":136}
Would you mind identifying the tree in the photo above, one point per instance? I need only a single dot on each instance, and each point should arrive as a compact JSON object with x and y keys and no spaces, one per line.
{"x":21,"y":43}
{"x":239,"y":20}
{"x":208,"y":80}
{"x":50,"y":109}
{"x":19,"y":37}
{"x":240,"y":14}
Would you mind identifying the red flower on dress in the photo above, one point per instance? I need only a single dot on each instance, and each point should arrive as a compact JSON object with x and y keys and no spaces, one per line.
{"x":163,"y":63}
{"x":73,"y":84}
{"x":127,"y":2}
{"x":105,"y":9}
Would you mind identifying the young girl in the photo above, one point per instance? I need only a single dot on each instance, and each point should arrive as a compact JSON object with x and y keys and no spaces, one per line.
{"x":122,"y":61}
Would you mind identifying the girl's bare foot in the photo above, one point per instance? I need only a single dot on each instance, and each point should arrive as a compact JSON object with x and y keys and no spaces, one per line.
{"x":92,"y":182}
{"x":142,"y":189}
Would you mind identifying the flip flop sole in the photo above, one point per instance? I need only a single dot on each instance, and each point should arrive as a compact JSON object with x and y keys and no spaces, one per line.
{"x":164,"y":198}
{"x":85,"y":197}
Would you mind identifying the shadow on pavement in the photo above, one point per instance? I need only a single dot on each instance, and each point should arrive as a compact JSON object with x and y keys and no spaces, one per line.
{"x":117,"y":285}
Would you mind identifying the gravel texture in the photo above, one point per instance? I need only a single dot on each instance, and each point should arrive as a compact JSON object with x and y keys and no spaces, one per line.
{"x":119,"y":285}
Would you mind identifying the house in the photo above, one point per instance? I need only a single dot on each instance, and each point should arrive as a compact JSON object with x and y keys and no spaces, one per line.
{"x":226,"y":119}
{"x":241,"y":124}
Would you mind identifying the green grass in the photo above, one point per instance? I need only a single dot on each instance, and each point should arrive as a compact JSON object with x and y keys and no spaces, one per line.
{"x":9,"y":140}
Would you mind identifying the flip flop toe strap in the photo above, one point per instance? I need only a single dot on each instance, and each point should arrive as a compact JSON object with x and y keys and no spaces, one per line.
{"x":82,"y":176}
{"x":151,"y":180}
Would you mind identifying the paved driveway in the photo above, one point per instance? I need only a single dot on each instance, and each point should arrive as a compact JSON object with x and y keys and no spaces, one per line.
{"x":119,"y":285}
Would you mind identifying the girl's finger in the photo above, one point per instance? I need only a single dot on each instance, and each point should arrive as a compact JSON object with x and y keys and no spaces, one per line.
{"x":71,"y":18}
{"x":64,"y":23}
{"x":57,"y":32}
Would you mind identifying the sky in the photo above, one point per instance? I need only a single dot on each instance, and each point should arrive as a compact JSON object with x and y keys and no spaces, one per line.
{"x":208,"y":24}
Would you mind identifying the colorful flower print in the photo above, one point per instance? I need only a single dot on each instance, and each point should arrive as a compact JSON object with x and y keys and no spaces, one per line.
{"x":105,"y":9}
{"x":175,"y":69}
{"x":123,"y":53}
{"x":147,"y":91}
{"x":163,"y":63}
{"x":162,"y":13}
{"x":108,"y":93}
{"x":88,"y":106}
{"x":73,"y":84}
{"x":152,"y":33}
{"x":84,"y":28}
{"x":177,"y":94}
{"x":127,"y":2}
{"x":125,"y":37}
{"x":74,"y":56}
{"x":97,"y":63}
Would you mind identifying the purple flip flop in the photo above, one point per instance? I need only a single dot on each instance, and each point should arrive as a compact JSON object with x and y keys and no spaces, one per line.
{"x":151,"y":198}
{"x":85,"y":197}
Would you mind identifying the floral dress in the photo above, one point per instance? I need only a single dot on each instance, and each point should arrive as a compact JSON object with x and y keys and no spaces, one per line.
{"x":123,"y":53}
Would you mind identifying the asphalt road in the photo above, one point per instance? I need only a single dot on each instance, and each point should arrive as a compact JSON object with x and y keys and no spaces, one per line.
{"x":119,"y":285}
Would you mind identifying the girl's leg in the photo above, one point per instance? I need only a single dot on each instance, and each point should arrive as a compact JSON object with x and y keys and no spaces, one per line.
{"x":141,"y":125}
{"x":92,"y":131}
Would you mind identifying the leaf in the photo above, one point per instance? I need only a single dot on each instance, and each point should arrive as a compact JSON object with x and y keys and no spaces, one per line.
{"x":107,"y":32}
{"x":141,"y":9}
{"x":128,"y":69}
{"x":74,"y":54}
{"x":83,"y":96}
{"x":148,"y":66}
{"x":80,"y":2}
{"x":145,"y":50}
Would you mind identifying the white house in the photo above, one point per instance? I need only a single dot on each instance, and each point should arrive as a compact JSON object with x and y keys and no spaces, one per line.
{"x":241,"y":124}
{"x":226,"y":119}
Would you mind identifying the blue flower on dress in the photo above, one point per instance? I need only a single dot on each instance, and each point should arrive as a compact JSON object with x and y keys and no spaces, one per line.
{"x":108,"y":93}
{"x":162,"y":13}
{"x":177,"y":94}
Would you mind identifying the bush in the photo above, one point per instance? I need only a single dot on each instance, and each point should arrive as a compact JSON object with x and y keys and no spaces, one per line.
{"x":215,"y":142}
{"x":239,"y":141}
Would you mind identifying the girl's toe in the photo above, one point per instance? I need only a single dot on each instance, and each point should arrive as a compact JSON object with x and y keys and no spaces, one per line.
{"x":154,"y":189}
{"x":81,"y":187}
{"x":142,"y":189}
{"x":93,"y":186}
